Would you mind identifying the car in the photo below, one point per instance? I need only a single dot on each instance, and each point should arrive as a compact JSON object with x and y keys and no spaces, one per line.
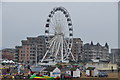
{"x":103,"y":74}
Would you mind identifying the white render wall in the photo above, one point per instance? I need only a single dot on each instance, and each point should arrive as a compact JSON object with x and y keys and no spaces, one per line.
{"x":76,"y":73}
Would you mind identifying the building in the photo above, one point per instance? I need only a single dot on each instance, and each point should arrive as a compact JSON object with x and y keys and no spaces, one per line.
{"x":97,"y":51}
{"x":77,"y":49}
{"x":91,"y":71}
{"x":115,"y":56}
{"x":31,"y":49}
{"x":75,"y":72}
{"x":34,"y":48}
{"x":8,"y":53}
{"x":102,"y":65}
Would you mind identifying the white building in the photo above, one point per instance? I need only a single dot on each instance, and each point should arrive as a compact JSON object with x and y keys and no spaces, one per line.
{"x":76,"y":73}
{"x":55,"y":73}
{"x":91,"y":71}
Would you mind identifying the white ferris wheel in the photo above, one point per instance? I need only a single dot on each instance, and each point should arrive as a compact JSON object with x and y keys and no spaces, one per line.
{"x":59,"y":25}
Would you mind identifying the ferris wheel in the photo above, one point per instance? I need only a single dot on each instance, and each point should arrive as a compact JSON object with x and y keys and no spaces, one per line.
{"x":58,"y":36}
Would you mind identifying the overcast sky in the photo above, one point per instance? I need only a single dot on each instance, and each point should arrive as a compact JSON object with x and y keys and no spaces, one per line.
{"x":92,"y":21}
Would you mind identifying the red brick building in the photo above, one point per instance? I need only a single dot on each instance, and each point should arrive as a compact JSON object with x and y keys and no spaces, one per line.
{"x":36,"y":46}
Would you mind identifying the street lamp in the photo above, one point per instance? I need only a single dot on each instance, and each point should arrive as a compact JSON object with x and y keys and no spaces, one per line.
{"x":36,"y":54}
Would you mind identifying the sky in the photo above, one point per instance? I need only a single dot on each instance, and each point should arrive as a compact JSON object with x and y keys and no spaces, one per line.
{"x":92,"y":21}
{"x":0,"y":30}
{"x":119,"y":24}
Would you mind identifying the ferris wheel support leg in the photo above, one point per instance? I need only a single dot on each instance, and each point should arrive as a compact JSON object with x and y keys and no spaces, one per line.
{"x":47,"y":50}
{"x":72,"y":56}
{"x":66,"y":52}
{"x":67,"y":55}
{"x":56,"y":48}
{"x":53,"y":47}
{"x":44,"y":56}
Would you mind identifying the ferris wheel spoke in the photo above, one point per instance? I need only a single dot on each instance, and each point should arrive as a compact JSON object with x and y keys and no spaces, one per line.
{"x":53,"y":47}
{"x":57,"y":50}
{"x":72,"y":56}
{"x":51,"y":40}
{"x":53,"y":23}
{"x":66,"y":48}
{"x":56,"y":45}
{"x":47,"y":50}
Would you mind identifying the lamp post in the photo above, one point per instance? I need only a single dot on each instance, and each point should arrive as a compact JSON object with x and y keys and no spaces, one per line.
{"x":36,"y":54}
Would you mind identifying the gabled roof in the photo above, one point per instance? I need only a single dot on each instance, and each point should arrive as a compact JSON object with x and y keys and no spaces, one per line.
{"x":106,"y":45}
{"x":49,"y":69}
{"x":98,"y":44}
{"x":90,"y":68}
{"x":92,"y":43}
{"x":37,"y":69}
{"x":65,"y":69}
{"x":73,"y":69}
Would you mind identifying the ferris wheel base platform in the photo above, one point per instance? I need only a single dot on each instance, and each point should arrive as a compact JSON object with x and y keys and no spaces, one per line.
{"x":50,"y":63}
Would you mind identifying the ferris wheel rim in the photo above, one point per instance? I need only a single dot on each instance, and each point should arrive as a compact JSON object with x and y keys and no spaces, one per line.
{"x":69,"y":26}
{"x":69,"y":21}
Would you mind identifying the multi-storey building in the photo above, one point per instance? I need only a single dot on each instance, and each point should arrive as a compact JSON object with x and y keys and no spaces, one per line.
{"x":77,"y":49}
{"x":92,"y":51}
{"x":34,"y":48}
{"x":31,"y":49}
{"x":115,"y":56}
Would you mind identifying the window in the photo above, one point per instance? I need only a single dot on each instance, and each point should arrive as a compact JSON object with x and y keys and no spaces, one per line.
{"x":23,"y":54}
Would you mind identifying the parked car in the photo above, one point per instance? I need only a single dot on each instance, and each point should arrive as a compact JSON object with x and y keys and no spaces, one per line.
{"x":103,"y":74}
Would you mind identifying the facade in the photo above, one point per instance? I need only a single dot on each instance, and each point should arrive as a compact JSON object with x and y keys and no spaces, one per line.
{"x":35,"y":46}
{"x":31,"y":49}
{"x":92,"y":51}
{"x":115,"y":56}
{"x":76,"y":73}
{"x":91,"y":71}
{"x":8,"y":53}
{"x":55,"y":73}
{"x":77,"y":49}
{"x":102,"y":65}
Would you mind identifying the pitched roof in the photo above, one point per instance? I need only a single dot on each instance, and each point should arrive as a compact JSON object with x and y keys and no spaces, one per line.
{"x":90,"y":68}
{"x":37,"y":69}
{"x":64,"y":69}
{"x":49,"y":69}
{"x":73,"y":69}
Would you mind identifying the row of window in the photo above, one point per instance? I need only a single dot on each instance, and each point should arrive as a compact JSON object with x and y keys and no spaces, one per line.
{"x":24,"y":51}
{"x":39,"y":51}
{"x":24,"y":54}
{"x":23,"y":58}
